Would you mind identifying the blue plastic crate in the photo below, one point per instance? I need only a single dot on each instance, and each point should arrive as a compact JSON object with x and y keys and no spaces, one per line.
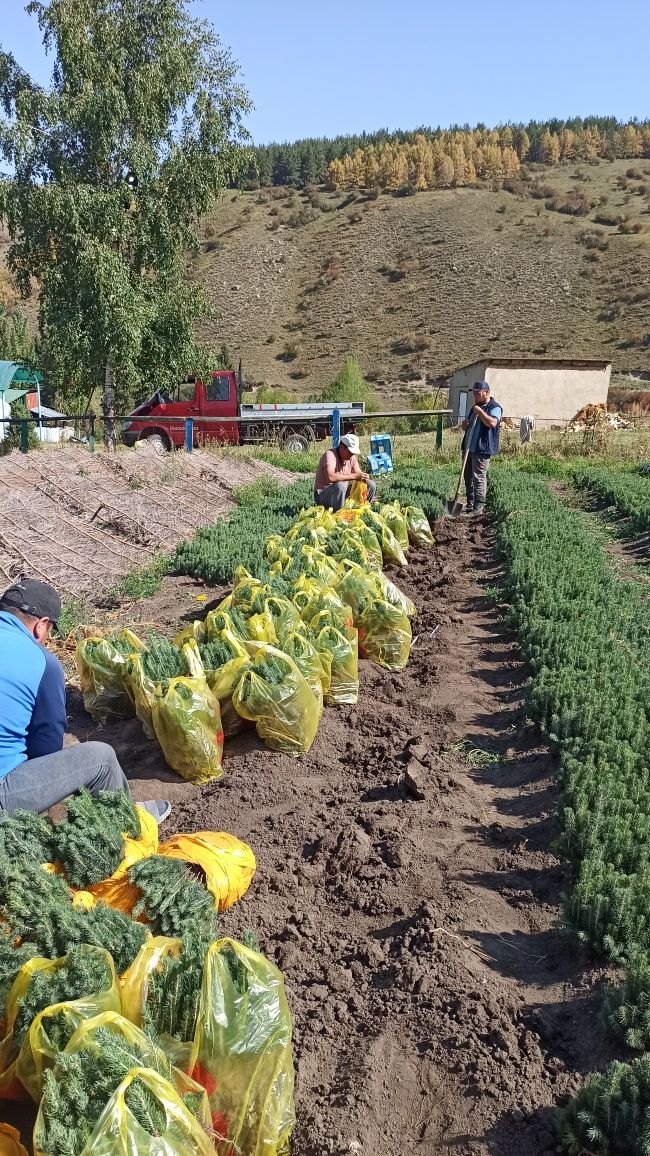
{"x":380,"y":463}
{"x":381,"y":444}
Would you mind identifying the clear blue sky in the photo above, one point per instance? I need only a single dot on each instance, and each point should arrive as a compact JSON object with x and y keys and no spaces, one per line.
{"x":322,"y":67}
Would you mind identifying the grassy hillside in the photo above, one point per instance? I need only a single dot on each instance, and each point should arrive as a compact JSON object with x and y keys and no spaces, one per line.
{"x":415,"y":286}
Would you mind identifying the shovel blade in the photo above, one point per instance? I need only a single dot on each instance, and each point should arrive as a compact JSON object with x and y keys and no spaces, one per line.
{"x":453,"y":509}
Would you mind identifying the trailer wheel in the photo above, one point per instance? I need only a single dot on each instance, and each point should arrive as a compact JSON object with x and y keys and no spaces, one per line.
{"x":159,"y":442}
{"x":296,"y":441}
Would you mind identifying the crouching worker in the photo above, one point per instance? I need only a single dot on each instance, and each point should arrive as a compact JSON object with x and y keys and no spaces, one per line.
{"x":36,"y":771}
{"x":336,"y":471}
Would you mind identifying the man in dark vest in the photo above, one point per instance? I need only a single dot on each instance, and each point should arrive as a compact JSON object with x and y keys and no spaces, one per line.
{"x":483,"y":423}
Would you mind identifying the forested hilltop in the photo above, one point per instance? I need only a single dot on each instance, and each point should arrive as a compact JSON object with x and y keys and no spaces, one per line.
{"x":435,"y":158}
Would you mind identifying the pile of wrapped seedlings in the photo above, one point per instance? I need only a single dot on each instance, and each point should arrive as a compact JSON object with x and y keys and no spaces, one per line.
{"x":124,"y":1014}
{"x":283,"y":644}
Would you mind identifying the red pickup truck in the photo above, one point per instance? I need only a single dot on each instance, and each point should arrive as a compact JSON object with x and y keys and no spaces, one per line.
{"x":161,"y":419}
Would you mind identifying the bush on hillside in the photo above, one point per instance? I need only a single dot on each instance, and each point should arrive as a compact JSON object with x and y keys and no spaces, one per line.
{"x":350,"y":385}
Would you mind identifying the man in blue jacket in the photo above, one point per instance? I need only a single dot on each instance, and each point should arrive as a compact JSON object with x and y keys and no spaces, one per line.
{"x":483,"y":424}
{"x":35,"y":769}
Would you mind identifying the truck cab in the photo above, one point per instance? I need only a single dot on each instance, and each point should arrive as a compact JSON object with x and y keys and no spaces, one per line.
{"x":216,"y":398}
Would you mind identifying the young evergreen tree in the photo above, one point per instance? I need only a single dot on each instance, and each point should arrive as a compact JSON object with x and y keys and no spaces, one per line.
{"x":112,"y":164}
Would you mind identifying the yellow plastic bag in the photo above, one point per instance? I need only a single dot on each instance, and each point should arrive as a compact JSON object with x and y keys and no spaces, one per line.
{"x":102,"y":667}
{"x":227,"y":863}
{"x":358,"y":493}
{"x":355,"y":586}
{"x":390,"y":547}
{"x":117,"y":891}
{"x":392,"y":514}
{"x":243,"y":1046}
{"x":314,"y":563}
{"x":195,"y":632}
{"x":327,"y":607}
{"x":245,"y":590}
{"x":385,"y":635}
{"x":392,"y":593}
{"x":142,"y":691}
{"x":341,"y":644}
{"x":10,"y":1143}
{"x":117,"y":1132}
{"x":23,"y":1072}
{"x":307,"y":659}
{"x":419,"y":530}
{"x":187,"y":722}
{"x":223,"y":684}
{"x":273,"y":694}
{"x":366,"y":536}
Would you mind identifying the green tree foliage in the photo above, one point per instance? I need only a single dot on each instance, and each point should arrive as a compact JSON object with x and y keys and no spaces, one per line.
{"x":83,"y":972}
{"x":139,"y":129}
{"x":609,"y":1116}
{"x":171,"y":899}
{"x":36,"y":907}
{"x":90,"y":845}
{"x":350,"y":385}
{"x":15,"y":341}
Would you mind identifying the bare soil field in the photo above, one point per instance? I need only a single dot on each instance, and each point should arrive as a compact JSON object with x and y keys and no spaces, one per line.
{"x":84,"y":520}
{"x":407,"y":885}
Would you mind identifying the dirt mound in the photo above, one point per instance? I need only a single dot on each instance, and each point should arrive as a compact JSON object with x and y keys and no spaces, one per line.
{"x":84,"y":520}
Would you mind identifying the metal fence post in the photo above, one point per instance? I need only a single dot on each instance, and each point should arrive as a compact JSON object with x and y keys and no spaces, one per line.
{"x":439,"y":432}
{"x":91,"y":439}
{"x":24,"y":437}
{"x":336,"y":428}
{"x":189,"y":434}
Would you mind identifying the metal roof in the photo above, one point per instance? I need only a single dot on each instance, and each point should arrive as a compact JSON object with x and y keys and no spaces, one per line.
{"x":15,"y":371}
{"x":540,"y":362}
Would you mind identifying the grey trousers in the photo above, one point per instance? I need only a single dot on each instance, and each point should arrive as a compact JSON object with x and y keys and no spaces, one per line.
{"x":38,"y":784}
{"x":476,"y":470}
{"x":333,"y":496}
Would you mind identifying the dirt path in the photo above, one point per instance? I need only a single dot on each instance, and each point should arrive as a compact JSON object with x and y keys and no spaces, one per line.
{"x":408,"y":891}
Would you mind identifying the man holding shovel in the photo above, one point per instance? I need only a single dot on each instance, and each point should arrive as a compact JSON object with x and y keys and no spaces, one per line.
{"x":480,"y":443}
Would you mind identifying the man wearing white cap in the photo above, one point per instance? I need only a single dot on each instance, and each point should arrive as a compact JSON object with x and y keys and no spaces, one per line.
{"x":336,"y":471}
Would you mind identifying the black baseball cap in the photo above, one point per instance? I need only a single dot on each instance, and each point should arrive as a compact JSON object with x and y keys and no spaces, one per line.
{"x":478,"y":385}
{"x":32,"y":597}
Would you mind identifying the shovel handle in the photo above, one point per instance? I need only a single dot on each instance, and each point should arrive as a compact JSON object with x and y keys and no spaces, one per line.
{"x":470,"y":430}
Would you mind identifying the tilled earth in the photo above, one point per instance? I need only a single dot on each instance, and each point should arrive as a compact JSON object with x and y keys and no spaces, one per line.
{"x":407,"y":888}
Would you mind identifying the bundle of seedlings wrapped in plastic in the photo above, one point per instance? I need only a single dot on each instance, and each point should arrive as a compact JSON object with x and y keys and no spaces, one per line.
{"x":48,"y":1001}
{"x":39,"y":911}
{"x":98,"y":836}
{"x":220,"y":1011}
{"x":272,"y":693}
{"x":174,"y":703}
{"x":163,"y":893}
{"x":112,"y":1090}
{"x":102,"y":667}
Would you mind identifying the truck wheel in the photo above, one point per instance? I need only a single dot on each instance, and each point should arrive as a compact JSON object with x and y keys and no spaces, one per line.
{"x":158,"y":442}
{"x":295,"y":442}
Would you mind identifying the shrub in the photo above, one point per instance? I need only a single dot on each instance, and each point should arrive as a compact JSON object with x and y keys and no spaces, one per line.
{"x":411,"y":343}
{"x":290,"y":350}
{"x":350,"y":385}
{"x":606,"y":219}
{"x":593,"y":239}
{"x":626,"y":226}
{"x":304,"y":216}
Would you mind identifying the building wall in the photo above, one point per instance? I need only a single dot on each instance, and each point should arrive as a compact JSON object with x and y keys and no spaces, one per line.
{"x":552,"y":395}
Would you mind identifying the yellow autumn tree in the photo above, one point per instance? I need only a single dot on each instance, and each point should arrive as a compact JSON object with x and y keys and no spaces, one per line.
{"x":549,"y":148}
